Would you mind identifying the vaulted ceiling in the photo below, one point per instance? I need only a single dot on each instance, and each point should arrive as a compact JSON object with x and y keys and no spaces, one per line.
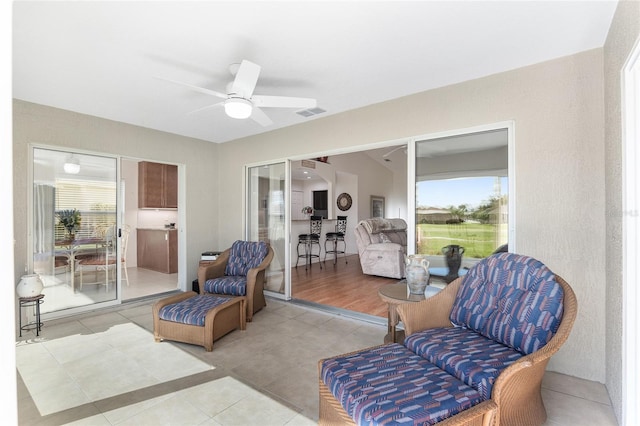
{"x":109,"y":59}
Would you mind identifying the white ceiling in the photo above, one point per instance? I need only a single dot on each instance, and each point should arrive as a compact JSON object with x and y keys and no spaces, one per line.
{"x":102,"y":58}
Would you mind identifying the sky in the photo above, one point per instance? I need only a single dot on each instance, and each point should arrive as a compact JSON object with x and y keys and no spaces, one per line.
{"x":448,"y":192}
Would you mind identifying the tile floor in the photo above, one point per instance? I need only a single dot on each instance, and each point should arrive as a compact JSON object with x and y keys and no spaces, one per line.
{"x":142,"y":282}
{"x":104,"y":368}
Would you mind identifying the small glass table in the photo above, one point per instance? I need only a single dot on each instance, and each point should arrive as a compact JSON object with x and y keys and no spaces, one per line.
{"x":397,"y":294}
{"x":35,"y":302}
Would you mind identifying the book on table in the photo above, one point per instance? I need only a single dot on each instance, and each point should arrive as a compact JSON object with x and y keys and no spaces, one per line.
{"x":209,"y":255}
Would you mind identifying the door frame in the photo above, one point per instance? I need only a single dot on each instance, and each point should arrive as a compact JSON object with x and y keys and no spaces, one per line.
{"x":630,"y":99}
{"x":287,"y":220}
{"x":30,"y":212}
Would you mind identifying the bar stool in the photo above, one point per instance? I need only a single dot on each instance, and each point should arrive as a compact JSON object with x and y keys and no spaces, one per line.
{"x":334,"y":238}
{"x":309,"y":240}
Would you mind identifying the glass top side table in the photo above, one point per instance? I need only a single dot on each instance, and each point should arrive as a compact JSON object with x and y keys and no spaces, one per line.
{"x":397,"y":294}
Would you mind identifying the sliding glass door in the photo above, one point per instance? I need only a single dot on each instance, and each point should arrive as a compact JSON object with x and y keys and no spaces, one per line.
{"x":75,"y":235}
{"x":462,"y":195}
{"x":267,"y":220}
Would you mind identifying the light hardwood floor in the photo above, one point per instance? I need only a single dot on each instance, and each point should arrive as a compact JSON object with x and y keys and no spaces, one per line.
{"x":341,"y":286}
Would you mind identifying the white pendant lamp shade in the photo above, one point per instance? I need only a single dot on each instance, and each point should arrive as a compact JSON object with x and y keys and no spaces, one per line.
{"x":72,"y":165}
{"x":238,"y":108}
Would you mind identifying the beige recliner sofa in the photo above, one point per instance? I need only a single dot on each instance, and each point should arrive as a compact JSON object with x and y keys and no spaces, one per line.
{"x":382,"y":245}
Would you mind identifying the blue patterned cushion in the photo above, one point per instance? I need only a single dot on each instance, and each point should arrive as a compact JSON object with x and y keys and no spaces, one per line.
{"x":510,"y":298}
{"x":471,"y":357}
{"x":245,"y":255}
{"x":392,"y":385}
{"x":234,"y":286}
{"x":192,"y":310}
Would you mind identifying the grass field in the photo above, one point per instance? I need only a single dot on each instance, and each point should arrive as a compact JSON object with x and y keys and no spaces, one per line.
{"x":479,"y":240}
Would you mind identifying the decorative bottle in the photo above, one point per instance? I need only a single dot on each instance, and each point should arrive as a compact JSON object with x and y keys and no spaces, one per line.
{"x":417,"y":272}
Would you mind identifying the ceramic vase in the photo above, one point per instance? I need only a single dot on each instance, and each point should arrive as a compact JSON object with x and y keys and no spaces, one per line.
{"x":29,"y":286}
{"x":453,"y":257}
{"x":417,"y":272}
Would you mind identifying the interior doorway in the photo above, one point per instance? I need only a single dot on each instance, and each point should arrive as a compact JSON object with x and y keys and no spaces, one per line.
{"x":151,"y":258}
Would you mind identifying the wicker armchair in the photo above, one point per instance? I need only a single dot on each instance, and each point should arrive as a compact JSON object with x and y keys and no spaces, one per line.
{"x":239,"y":271}
{"x":516,"y":391}
{"x":512,"y":314}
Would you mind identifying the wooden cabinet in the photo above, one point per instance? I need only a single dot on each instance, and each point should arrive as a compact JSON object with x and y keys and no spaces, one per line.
{"x":158,"y":250}
{"x":157,"y":186}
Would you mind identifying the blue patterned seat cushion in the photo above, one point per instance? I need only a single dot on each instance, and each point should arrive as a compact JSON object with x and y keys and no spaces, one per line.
{"x":391,"y":385}
{"x":191,"y":311}
{"x":245,"y":255}
{"x":512,"y":299}
{"x":234,"y":286}
{"x":471,"y":357}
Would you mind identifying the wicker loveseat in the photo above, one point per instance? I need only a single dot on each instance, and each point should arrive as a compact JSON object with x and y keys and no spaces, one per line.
{"x":474,"y":354}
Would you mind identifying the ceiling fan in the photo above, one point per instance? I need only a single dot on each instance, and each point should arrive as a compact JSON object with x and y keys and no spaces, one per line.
{"x":239,"y":100}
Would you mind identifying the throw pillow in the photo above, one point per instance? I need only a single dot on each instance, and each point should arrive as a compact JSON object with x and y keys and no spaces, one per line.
{"x":384,"y":238}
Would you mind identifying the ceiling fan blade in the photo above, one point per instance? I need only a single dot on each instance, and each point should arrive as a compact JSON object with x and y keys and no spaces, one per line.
{"x":217,"y":105}
{"x":195,"y":88}
{"x":393,"y":150}
{"x":283,"y":102}
{"x":246,"y":79}
{"x":260,"y":117}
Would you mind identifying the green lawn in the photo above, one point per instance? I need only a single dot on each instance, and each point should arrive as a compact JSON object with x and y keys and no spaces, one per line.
{"x":479,"y":240}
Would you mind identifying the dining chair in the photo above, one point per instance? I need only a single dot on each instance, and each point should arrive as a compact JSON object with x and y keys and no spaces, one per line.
{"x":106,"y":260}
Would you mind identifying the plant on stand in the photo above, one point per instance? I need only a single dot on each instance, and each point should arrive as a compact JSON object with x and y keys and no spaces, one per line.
{"x":70,"y":219}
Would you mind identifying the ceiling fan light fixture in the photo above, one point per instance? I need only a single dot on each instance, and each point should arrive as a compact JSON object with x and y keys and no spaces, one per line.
{"x":72,"y":165}
{"x":238,"y":108}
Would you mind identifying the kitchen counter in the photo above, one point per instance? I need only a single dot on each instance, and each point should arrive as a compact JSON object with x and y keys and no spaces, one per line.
{"x":156,"y":228}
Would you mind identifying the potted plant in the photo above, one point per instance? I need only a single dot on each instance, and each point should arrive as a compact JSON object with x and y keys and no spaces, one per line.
{"x":70,"y":219}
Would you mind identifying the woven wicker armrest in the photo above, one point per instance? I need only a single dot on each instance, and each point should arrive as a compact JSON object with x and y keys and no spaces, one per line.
{"x":213,"y":270}
{"x":429,"y":313}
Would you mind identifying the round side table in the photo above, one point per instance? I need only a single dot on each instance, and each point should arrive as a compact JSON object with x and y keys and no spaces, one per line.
{"x":397,"y":294}
{"x":27,"y":302}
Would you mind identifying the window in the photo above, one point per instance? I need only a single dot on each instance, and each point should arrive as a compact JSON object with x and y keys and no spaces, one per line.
{"x":462,"y":193}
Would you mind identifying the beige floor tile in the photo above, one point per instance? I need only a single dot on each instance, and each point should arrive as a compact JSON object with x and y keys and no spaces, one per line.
{"x":130,"y":410}
{"x":97,"y":420}
{"x":255,"y":409}
{"x":574,"y":386}
{"x":173,"y":411}
{"x":567,"y":410}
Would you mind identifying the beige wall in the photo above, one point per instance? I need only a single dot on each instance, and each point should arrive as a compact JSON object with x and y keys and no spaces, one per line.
{"x":623,"y":34}
{"x":37,"y":124}
{"x":557,"y":107}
